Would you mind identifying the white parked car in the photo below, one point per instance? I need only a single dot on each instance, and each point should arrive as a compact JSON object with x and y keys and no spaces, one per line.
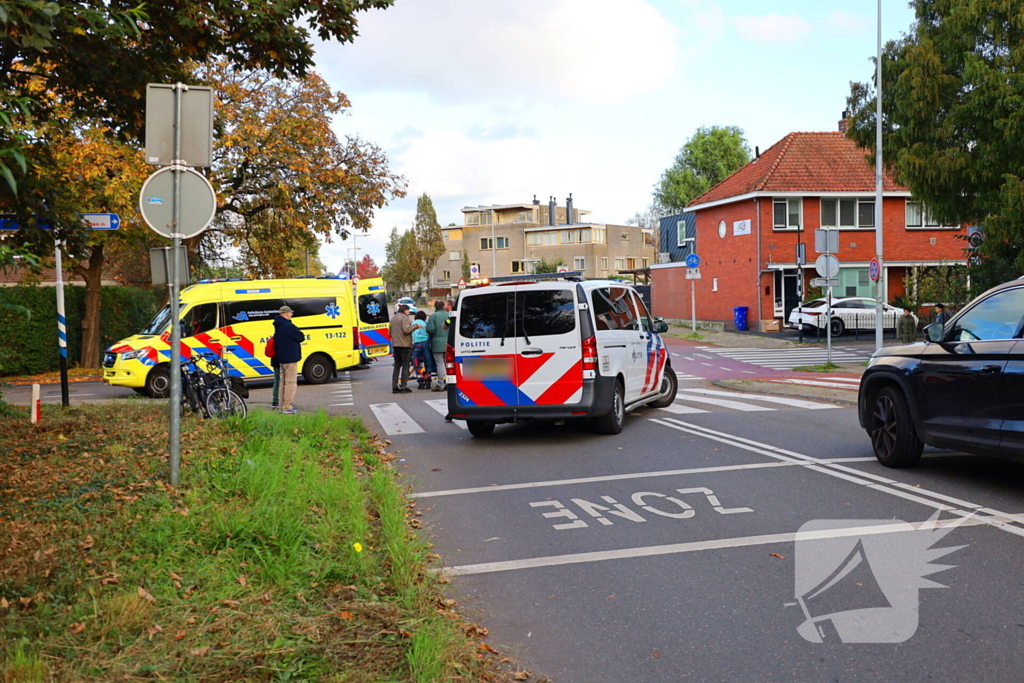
{"x":408,"y":301}
{"x":851,"y":313}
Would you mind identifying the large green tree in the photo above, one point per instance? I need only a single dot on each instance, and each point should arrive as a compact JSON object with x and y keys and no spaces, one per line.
{"x":98,"y":55}
{"x":428,"y":234}
{"x":708,"y":157}
{"x":402,"y":264}
{"x":953,"y":124}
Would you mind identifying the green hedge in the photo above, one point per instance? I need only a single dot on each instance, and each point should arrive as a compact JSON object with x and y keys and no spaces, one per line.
{"x":28,"y":343}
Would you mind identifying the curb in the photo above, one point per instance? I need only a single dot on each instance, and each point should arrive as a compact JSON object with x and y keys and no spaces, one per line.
{"x":719,"y":383}
{"x":29,"y":382}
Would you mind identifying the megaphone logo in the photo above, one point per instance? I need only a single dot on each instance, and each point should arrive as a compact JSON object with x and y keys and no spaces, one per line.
{"x":857,"y":581}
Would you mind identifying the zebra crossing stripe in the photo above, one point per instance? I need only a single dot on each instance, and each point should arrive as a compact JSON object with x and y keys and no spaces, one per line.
{"x":683,"y":410}
{"x":441,"y":406}
{"x":394,"y":420}
{"x":723,"y":403}
{"x":792,"y":402}
{"x":855,"y":380}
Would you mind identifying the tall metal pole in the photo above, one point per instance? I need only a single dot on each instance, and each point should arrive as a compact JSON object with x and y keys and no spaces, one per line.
{"x":693,"y":306}
{"x":62,"y":327}
{"x":175,"y":370}
{"x":880,"y":283}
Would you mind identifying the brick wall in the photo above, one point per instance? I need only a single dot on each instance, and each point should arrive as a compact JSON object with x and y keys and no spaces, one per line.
{"x":729,"y":261}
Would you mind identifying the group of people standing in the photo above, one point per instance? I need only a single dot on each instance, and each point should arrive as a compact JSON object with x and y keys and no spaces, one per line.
{"x":417,"y":337}
{"x":906,"y":326}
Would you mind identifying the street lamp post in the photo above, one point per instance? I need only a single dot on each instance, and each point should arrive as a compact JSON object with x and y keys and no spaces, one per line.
{"x":880,"y":282}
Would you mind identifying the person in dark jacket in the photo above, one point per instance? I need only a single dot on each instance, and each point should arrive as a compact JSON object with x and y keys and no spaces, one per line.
{"x":288,"y":343}
{"x":906,"y":327}
{"x":401,"y":347}
{"x":438,"y":342}
{"x":941,"y":314}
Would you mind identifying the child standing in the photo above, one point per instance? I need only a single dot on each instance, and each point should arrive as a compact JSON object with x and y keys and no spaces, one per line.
{"x":420,"y":352}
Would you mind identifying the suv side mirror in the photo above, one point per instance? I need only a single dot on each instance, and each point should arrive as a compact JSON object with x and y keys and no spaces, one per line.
{"x":660,"y":326}
{"x":933,"y":332}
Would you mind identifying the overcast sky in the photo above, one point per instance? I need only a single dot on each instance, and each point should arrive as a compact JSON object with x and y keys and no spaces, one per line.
{"x":494,"y":101}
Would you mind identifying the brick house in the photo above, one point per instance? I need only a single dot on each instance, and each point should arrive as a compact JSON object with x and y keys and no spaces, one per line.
{"x":747,"y":229}
{"x":509,"y":239}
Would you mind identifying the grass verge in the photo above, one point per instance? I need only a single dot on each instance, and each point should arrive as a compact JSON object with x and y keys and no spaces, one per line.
{"x":824,"y":367}
{"x":286,"y":554}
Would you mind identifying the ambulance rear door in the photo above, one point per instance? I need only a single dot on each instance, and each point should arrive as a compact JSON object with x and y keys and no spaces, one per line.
{"x":374,"y":323}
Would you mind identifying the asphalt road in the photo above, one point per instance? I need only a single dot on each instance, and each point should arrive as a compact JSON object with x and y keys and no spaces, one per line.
{"x":670,"y":552}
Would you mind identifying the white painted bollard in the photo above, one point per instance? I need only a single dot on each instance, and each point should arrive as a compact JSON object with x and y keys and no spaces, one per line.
{"x":37,"y":405}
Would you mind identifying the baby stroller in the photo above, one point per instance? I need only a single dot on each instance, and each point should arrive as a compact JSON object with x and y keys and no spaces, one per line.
{"x":421,"y":372}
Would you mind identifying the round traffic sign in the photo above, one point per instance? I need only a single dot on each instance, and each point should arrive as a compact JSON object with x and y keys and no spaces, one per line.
{"x":198,"y":202}
{"x":827,"y":265}
{"x":692,"y":261}
{"x":874,"y":270}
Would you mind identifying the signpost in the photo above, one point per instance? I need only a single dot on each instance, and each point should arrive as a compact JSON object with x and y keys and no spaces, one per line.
{"x":874,"y":270}
{"x":827,"y":266}
{"x":462,"y":283}
{"x":179,"y":133}
{"x":692,"y":274}
{"x":93,"y":221}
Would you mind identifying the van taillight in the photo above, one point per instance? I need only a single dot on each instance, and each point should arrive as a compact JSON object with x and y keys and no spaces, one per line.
{"x":590,"y":353}
{"x":355,"y":338}
{"x":449,"y":360}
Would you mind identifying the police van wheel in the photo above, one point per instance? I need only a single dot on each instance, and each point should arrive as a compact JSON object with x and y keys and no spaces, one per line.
{"x":669,"y":387}
{"x":317,"y":369}
{"x":158,"y":382}
{"x":480,"y":429}
{"x":612,"y":422}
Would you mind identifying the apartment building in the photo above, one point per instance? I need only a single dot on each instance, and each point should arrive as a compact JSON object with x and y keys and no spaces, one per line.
{"x":509,"y":239}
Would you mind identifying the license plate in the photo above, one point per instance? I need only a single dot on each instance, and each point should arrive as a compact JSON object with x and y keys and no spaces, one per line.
{"x":486,"y":368}
{"x":382,"y":350}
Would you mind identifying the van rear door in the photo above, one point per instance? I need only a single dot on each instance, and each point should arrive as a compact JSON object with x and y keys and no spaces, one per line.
{"x":485,"y":349}
{"x":374,"y":323}
{"x":549,"y":357}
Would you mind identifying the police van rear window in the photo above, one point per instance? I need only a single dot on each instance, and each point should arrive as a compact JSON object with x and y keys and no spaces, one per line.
{"x":547,"y":311}
{"x":486,"y":316}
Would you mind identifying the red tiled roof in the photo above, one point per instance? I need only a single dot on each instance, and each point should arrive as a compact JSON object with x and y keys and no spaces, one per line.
{"x":804,"y":162}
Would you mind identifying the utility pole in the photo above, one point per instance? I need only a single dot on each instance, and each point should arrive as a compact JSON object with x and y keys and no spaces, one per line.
{"x":880,"y":283}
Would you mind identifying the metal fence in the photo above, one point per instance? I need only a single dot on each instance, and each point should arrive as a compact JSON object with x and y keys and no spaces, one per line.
{"x":862,"y":327}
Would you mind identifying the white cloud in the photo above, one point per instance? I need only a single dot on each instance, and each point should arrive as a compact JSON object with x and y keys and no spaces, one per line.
{"x":772,"y":29}
{"x":583,"y":51}
{"x":847,"y":23}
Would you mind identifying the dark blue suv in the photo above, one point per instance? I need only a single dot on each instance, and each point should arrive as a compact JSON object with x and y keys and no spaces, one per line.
{"x":961,"y":389}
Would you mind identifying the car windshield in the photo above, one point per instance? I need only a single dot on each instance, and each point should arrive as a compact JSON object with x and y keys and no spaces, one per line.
{"x":160,"y":322}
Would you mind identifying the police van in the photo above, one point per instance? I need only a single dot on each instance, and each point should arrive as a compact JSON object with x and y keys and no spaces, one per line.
{"x":343,"y":322}
{"x":532,"y":348}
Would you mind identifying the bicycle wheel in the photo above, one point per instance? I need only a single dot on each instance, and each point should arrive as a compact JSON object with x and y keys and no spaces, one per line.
{"x":223,"y":402}
{"x":189,"y":397}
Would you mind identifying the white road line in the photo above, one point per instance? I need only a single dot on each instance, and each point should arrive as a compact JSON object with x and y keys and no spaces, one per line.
{"x":682,"y":410}
{"x":621,"y":477}
{"x":394,"y":420}
{"x":866,"y":479}
{"x":793,"y":402}
{"x":441,"y":406}
{"x":724,"y":368}
{"x":749,"y":372}
{"x":697,"y":546}
{"x":676,"y":355}
{"x":707,"y":364}
{"x":813,"y":383}
{"x":335,"y":405}
{"x":687,"y":358}
{"x":702,"y":355}
{"x":723,"y":403}
{"x":854,"y":380}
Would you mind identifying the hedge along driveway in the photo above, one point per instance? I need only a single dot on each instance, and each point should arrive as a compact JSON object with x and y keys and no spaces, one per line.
{"x":28,"y":343}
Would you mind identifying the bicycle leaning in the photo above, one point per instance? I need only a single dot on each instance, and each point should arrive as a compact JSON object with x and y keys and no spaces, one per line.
{"x":210,"y":392}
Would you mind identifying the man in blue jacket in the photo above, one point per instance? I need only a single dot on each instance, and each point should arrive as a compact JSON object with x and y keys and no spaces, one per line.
{"x":288,"y":343}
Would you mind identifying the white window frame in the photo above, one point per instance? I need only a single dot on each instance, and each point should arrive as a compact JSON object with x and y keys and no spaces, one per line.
{"x":524,"y":266}
{"x":800,"y":214}
{"x":446,"y":275}
{"x":604,"y":263}
{"x":498,"y":242}
{"x":455,"y":255}
{"x":486,"y":244}
{"x":857,"y":201}
{"x":579,"y":262}
{"x":925,"y":217}
{"x":681,"y":238}
{"x":620,"y":263}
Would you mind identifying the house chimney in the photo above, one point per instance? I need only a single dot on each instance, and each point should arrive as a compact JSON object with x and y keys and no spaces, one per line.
{"x":757,"y":152}
{"x":844,"y":123}
{"x":551,"y":210}
{"x":536,"y":202}
{"x":569,"y":217}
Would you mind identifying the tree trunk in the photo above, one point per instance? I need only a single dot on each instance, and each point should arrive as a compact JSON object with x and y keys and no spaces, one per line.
{"x":93,"y":276}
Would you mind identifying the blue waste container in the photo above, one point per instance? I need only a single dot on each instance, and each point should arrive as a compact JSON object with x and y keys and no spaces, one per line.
{"x":739,"y":317}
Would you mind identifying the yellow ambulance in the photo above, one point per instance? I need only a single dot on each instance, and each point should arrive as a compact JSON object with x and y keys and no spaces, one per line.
{"x":344,"y":322}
